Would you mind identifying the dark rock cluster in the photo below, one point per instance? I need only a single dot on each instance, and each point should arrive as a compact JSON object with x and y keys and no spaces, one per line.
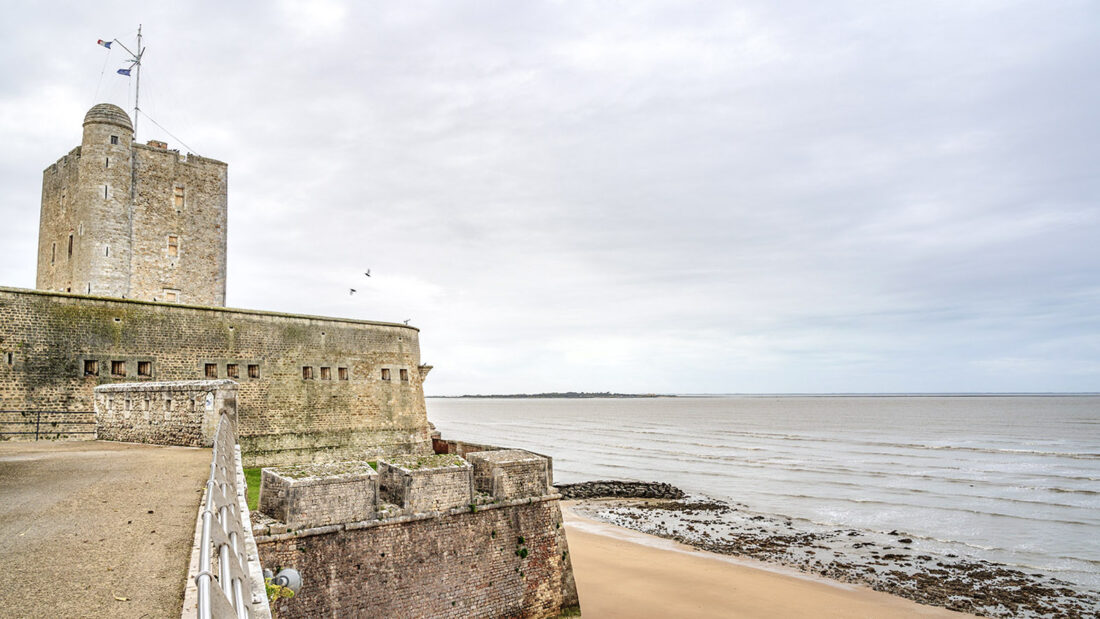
{"x":619,"y":489}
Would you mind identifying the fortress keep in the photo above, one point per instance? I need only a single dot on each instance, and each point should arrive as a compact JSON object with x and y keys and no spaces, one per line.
{"x":133,"y":221}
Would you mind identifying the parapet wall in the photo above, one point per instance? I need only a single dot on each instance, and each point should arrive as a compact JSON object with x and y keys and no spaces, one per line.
{"x":56,"y":348}
{"x":505,"y":560}
{"x":164,"y":413}
{"x":314,"y":495}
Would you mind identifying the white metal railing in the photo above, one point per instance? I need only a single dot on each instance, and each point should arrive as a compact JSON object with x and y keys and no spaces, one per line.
{"x":223,"y":538}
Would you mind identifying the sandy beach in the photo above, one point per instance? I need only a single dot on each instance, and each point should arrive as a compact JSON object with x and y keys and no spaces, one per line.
{"x":624,"y":573}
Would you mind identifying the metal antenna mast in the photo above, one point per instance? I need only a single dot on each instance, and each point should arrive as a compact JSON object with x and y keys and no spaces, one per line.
{"x":135,"y":61}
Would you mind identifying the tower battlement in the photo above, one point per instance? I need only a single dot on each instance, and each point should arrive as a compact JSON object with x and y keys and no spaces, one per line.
{"x":130,"y":220}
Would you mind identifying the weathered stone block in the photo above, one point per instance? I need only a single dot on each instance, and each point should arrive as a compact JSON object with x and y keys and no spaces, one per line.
{"x":431,"y":483}
{"x":314,"y":495}
{"x":509,"y":473}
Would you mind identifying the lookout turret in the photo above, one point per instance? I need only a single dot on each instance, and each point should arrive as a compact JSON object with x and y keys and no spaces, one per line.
{"x":136,"y":221}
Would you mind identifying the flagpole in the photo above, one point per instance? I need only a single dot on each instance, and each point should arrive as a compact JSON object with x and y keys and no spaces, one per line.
{"x":137,"y":86}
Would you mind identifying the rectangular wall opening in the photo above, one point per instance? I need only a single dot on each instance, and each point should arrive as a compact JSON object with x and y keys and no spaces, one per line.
{"x":307,"y":372}
{"x":91,"y":368}
{"x":385,"y":373}
{"x":211,"y":370}
{"x":342,"y":373}
{"x":118,"y":368}
{"x":231,"y":370}
{"x":177,"y":197}
{"x":173,"y":245}
{"x":404,"y":375}
{"x":326,"y":373}
{"x":145,"y":368}
{"x":253,"y":370}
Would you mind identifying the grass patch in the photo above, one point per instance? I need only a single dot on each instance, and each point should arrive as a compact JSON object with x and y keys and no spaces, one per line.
{"x":252,"y":494}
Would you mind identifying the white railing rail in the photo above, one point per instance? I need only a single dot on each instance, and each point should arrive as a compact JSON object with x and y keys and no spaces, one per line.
{"x":224,"y":588}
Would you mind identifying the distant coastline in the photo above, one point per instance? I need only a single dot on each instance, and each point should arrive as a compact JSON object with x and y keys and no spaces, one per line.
{"x":557,"y":394}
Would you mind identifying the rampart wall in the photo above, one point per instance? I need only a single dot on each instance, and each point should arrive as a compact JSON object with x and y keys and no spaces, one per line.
{"x":504,"y":560}
{"x":164,"y":413}
{"x":56,"y":348}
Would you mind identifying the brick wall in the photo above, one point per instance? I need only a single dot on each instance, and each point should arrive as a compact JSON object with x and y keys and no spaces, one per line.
{"x":284,"y":418}
{"x":164,"y":413}
{"x":510,"y":560}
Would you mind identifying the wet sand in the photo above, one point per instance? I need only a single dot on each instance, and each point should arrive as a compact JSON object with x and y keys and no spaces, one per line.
{"x":624,"y":573}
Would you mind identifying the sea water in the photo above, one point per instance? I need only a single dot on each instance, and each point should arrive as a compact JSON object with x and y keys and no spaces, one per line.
{"x":1010,"y":479}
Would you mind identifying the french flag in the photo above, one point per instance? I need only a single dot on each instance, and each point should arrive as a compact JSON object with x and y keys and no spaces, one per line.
{"x":106,"y":44}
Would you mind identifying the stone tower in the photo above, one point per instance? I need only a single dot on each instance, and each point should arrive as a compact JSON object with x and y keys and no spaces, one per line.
{"x":136,"y":221}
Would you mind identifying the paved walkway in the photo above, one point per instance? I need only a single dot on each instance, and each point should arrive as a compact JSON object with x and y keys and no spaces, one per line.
{"x":96,"y":529}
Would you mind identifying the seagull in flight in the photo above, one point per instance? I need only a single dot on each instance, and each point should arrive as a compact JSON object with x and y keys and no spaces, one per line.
{"x":407,"y":320}
{"x":367,"y":273}
{"x":352,"y":291}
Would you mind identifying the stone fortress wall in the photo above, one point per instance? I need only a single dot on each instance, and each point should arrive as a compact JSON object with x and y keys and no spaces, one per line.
{"x":164,"y":413}
{"x":133,"y":221}
{"x":443,"y":550}
{"x":311,"y":388}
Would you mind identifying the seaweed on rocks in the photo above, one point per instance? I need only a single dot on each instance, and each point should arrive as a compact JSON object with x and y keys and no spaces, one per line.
{"x":894,"y":562}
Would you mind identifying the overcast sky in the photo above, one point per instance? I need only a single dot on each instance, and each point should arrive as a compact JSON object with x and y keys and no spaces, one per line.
{"x":639,"y":197}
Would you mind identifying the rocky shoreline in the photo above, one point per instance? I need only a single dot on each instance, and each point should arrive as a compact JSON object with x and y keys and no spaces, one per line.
{"x":891,"y":562}
{"x":607,"y":489}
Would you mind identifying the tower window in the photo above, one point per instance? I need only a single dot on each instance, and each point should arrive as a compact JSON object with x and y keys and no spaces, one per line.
{"x":171,"y":295}
{"x":211,"y":370}
{"x":11,"y":358}
{"x":173,"y":245}
{"x":107,"y":251}
{"x":107,"y":162}
{"x":342,"y":373}
{"x":404,"y":375}
{"x":70,"y":246}
{"x":118,"y":368}
{"x":145,"y":368}
{"x":253,"y":370}
{"x":231,"y":370}
{"x":326,"y":373}
{"x":177,"y":197}
{"x":53,"y":253}
{"x":104,"y":192}
{"x":114,"y":139}
{"x":385,"y":373}
{"x":91,"y":367}
{"x":307,"y":372}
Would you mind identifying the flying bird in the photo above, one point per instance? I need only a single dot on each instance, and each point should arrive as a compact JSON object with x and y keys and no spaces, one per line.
{"x":351,"y":291}
{"x":407,"y":320}
{"x":367,"y":273}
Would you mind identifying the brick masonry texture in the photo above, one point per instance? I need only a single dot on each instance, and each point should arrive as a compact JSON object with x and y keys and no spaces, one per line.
{"x":428,"y":489}
{"x":164,"y":413}
{"x":283,"y":418}
{"x":504,"y":561}
{"x":324,"y":494}
{"x":109,"y":207}
{"x":464,"y":449}
{"x":509,"y":473}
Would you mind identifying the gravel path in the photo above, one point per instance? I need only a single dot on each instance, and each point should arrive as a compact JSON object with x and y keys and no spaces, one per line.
{"x":97,"y":529}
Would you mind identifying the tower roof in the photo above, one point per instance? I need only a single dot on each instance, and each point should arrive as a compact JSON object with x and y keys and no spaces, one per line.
{"x":107,"y":113}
